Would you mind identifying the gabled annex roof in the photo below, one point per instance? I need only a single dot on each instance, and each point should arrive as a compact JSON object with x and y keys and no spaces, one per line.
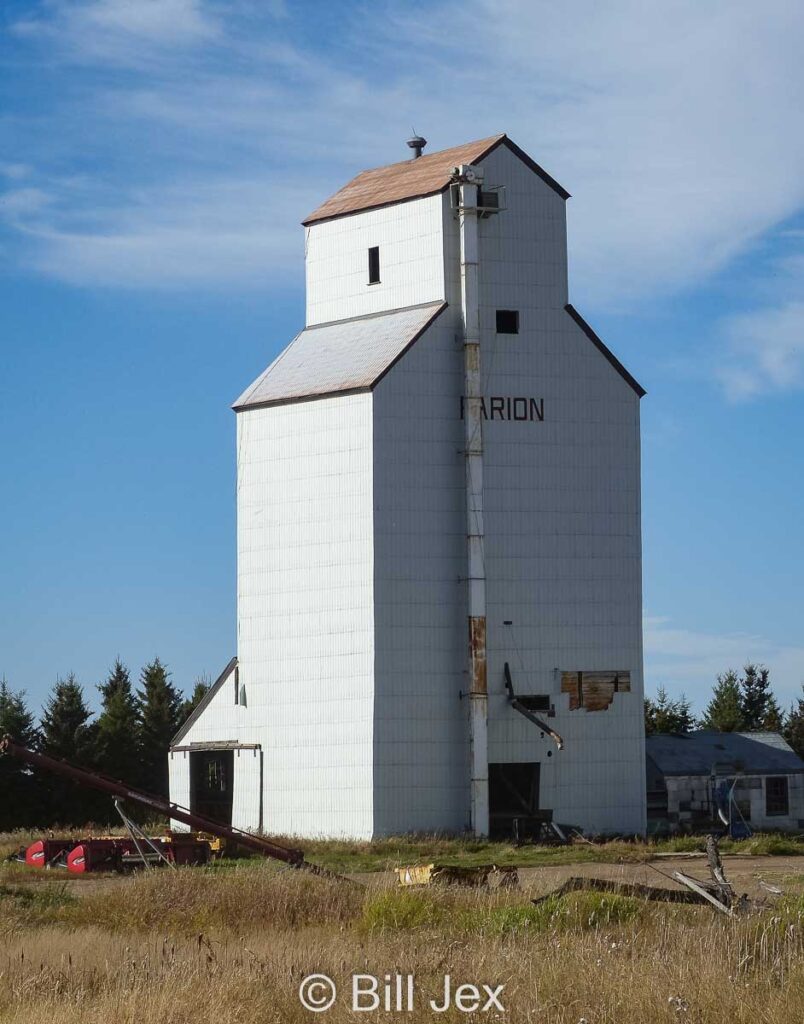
{"x":695,"y":753}
{"x":204,"y":702}
{"x":416,"y":178}
{"x":342,"y":356}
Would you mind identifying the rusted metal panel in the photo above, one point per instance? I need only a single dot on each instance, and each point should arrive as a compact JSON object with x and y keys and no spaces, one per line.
{"x":477,"y":654}
{"x":594,"y":691}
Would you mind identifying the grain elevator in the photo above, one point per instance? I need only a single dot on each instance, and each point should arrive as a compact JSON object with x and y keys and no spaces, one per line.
{"x":438,"y":531}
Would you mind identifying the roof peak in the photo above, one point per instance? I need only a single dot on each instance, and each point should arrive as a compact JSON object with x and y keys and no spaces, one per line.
{"x":416,"y":178}
{"x":482,"y":144}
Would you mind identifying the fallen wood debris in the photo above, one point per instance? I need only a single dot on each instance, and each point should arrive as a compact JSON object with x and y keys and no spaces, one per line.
{"x":716,"y":869}
{"x":482,"y":876}
{"x":705,"y":896}
{"x":717,"y":891}
{"x":645,"y":892}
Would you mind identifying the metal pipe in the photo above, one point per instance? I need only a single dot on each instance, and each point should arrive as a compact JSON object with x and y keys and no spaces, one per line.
{"x":473,"y":428}
{"x":517,"y":705}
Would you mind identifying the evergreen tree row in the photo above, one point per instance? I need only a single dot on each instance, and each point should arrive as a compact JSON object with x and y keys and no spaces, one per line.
{"x":128,"y":740}
{"x":739,"y":703}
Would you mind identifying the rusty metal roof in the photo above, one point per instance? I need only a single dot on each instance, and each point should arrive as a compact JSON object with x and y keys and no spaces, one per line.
{"x":415,"y":178}
{"x":342,"y":356}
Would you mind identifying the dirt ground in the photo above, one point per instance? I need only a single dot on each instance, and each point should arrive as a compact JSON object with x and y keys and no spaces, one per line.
{"x":744,"y":873}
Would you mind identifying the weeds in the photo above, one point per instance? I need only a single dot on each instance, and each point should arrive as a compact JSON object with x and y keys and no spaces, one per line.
{"x":231,"y":945}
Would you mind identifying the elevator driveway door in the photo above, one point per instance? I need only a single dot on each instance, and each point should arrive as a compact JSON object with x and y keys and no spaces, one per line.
{"x":211,"y":784}
{"x":513,"y":794}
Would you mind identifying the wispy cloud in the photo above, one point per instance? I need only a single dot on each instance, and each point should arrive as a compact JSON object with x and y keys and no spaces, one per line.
{"x":120,"y":31}
{"x":689,"y":661}
{"x":678,"y":150}
{"x":765,"y":352}
{"x":177,"y":238}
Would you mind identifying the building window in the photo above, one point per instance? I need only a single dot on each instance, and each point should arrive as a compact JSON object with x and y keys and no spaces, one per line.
{"x":508,"y":321}
{"x":216,"y":777}
{"x":374,"y":264}
{"x":776,"y":799}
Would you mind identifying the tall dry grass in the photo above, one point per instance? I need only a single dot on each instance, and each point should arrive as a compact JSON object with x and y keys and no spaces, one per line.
{"x":231,"y":947}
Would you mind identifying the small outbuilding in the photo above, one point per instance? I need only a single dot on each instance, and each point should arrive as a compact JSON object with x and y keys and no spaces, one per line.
{"x":691,"y":777}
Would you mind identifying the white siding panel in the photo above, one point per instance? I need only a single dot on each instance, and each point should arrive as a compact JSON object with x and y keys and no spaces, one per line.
{"x":411,"y":261}
{"x":179,"y":771}
{"x":247,"y":790}
{"x":420,"y":733}
{"x":305,"y":618}
{"x":222,"y":721}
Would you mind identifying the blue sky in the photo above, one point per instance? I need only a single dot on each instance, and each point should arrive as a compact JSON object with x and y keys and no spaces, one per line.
{"x":156,"y":157}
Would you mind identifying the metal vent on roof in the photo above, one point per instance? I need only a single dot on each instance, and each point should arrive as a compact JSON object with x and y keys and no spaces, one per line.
{"x":417,"y":144}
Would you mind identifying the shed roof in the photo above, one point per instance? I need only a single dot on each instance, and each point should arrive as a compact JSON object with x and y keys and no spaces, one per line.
{"x":416,"y":178}
{"x":342,"y":356}
{"x":695,"y":753}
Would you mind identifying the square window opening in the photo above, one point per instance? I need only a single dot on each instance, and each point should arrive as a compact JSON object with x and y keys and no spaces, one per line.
{"x":508,"y":321}
{"x":374,"y":265}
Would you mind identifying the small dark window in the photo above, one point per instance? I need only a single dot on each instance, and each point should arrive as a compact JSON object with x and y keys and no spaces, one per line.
{"x":508,"y":321}
{"x":535,"y":702}
{"x":216,"y":777}
{"x":776,"y":800}
{"x":374,"y":264}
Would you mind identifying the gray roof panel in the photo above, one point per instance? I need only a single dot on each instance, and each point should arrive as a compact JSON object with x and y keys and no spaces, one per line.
{"x":342,"y":356}
{"x":695,"y":753}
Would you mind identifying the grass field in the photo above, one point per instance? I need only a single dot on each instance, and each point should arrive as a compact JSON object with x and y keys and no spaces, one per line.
{"x":231,"y":944}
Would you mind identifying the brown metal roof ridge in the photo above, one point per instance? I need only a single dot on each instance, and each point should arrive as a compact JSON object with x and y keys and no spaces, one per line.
{"x":601,"y":346}
{"x":416,"y":179}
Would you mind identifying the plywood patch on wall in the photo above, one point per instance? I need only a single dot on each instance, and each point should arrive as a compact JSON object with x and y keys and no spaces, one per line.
{"x":594,"y":691}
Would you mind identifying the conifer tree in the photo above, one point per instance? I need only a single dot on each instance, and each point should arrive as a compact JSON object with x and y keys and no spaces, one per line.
{"x":189,"y":704}
{"x":650,"y":717}
{"x":724,"y":711}
{"x":20,"y":805}
{"x":760,"y":711}
{"x":159,"y":705}
{"x":794,"y":726}
{"x":117,"y":731}
{"x":67,"y":733}
{"x":665,"y":715}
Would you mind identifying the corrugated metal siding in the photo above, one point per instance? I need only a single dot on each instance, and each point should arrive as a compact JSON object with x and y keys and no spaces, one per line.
{"x":343,"y":356}
{"x":305,"y":610}
{"x":411,"y":263}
